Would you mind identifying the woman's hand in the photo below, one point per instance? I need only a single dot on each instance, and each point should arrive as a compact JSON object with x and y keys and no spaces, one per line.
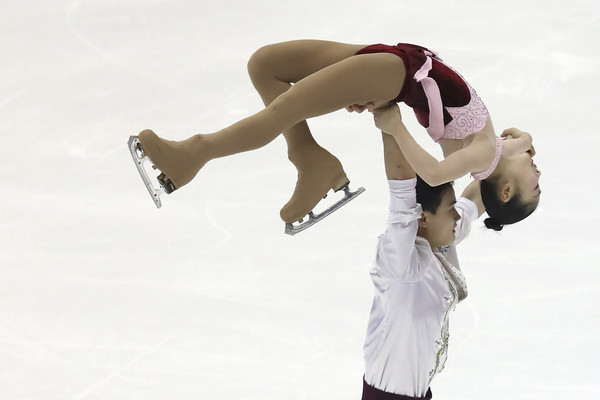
{"x":358,"y":108}
{"x":387,"y":118}
{"x":526,"y":145}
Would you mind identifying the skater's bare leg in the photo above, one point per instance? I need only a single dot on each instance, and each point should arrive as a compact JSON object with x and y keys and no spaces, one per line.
{"x":273,"y":69}
{"x":375,"y":78}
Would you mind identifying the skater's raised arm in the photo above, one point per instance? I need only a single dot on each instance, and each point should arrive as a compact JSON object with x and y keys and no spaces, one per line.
{"x":473,"y":193}
{"x":396,"y":246}
{"x":472,"y":158}
{"x":470,"y":207}
{"x":396,"y":165}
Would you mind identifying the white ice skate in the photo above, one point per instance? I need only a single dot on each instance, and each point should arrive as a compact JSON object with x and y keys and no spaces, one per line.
{"x":139,"y":158}
{"x":313,"y":218}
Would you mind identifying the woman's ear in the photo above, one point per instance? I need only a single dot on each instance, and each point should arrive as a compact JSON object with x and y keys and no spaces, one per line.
{"x":507,"y":192}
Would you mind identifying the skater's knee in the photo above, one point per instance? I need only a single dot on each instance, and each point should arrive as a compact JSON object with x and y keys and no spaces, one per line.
{"x":284,"y":112}
{"x":285,"y":104}
{"x":259,"y":62}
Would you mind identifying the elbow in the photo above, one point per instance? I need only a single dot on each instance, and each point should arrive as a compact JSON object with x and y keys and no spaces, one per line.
{"x":432,"y":178}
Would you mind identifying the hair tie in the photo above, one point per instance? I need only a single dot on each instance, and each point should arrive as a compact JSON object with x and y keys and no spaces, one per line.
{"x":491,"y":223}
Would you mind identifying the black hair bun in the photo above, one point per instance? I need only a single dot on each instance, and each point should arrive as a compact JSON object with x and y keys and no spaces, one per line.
{"x":491,"y":223}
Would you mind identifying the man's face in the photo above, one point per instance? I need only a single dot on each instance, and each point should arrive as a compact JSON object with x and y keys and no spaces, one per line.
{"x":440,"y":226}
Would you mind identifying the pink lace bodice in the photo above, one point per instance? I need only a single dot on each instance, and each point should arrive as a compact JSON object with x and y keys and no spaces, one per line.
{"x":466,"y":119}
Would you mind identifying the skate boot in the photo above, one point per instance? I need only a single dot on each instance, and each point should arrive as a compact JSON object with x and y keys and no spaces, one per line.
{"x":173,"y":159}
{"x":318,"y":172}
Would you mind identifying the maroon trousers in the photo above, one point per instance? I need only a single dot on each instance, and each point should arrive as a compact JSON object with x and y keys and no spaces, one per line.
{"x":371,"y":393}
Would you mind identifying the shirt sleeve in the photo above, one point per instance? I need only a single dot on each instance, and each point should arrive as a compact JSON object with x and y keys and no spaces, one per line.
{"x":468,"y":214}
{"x":396,"y":252}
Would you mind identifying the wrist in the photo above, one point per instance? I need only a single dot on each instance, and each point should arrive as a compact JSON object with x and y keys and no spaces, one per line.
{"x":399,"y":129}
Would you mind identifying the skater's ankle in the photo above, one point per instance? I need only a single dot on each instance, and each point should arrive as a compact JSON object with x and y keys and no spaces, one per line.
{"x":199,"y":145}
{"x":307,"y":154}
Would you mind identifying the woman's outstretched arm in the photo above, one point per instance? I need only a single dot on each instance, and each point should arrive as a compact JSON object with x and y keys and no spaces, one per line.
{"x":473,"y":158}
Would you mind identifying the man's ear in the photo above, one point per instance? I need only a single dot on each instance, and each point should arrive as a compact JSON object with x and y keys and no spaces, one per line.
{"x":423,"y":220}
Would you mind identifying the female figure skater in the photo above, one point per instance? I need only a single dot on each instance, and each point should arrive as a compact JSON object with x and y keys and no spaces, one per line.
{"x":328,"y":76}
{"x":517,"y":198}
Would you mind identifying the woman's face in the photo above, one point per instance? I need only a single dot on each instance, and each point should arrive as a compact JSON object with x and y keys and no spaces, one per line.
{"x":527,"y":177}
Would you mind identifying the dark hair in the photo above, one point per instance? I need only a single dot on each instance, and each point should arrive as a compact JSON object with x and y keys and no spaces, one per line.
{"x":502,"y":213}
{"x":430,"y":197}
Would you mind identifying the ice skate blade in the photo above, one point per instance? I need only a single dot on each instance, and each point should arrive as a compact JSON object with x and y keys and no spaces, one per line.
{"x":291,"y":229}
{"x":136,"y":150}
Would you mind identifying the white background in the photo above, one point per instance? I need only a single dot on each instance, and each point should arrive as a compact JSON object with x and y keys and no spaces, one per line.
{"x":102,"y":296}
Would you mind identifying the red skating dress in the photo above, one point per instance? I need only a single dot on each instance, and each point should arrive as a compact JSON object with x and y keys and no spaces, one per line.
{"x":442,"y":100}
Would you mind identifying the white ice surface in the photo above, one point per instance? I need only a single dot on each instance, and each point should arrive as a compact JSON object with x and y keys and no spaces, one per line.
{"x":102,"y":296}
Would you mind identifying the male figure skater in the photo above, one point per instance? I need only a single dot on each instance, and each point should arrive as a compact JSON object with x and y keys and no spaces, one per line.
{"x":417,"y":281}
